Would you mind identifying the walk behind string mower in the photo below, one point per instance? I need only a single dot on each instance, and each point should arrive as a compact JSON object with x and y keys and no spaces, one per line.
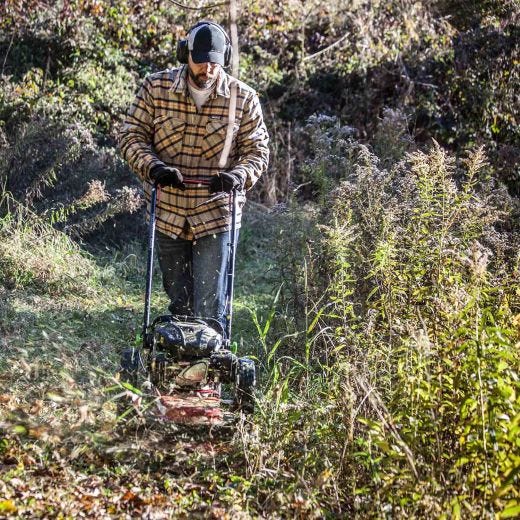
{"x":184,"y":361}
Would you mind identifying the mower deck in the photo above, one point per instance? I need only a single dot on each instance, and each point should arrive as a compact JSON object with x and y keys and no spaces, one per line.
{"x":192,"y":408}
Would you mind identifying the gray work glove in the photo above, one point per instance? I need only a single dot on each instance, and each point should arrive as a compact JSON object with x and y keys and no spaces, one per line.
{"x":163,"y":175}
{"x":225,"y":181}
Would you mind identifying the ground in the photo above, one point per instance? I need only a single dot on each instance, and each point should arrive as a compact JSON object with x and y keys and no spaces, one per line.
{"x":65,"y":451}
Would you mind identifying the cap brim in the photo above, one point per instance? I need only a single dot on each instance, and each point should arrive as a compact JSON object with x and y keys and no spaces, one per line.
{"x":205,"y":57}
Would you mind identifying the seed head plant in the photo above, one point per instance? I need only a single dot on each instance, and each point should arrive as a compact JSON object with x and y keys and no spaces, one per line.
{"x":414,"y":374}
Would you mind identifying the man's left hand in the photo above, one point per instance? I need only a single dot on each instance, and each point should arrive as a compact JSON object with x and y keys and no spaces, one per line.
{"x":225,"y":181}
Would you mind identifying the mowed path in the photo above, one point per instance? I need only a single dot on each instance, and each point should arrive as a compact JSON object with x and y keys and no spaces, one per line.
{"x":63,"y":451}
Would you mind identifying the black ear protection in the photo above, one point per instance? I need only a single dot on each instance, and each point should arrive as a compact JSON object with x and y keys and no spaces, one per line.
{"x":183,"y":50}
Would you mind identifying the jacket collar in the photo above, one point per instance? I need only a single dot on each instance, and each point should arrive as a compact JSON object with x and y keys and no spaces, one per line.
{"x":180,"y":82}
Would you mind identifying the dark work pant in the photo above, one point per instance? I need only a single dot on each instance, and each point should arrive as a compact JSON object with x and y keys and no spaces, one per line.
{"x":194,"y":274}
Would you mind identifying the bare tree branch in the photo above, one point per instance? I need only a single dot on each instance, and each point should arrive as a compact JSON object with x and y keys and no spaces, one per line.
{"x":7,"y":54}
{"x":234,"y":37}
{"x":211,"y":6}
{"x":326,"y":49}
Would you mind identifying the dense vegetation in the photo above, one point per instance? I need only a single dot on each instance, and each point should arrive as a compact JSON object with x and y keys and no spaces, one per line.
{"x":378,"y":280}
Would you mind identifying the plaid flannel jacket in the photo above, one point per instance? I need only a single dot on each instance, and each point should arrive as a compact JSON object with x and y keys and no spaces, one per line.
{"x":163,"y":125}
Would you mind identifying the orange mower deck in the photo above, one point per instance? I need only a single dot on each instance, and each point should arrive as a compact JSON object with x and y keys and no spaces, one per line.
{"x":195,"y":407}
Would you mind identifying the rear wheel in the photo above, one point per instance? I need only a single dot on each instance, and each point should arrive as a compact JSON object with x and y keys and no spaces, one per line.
{"x":245,"y":383}
{"x":129,"y":369}
{"x":157,"y":370}
{"x":130,"y":364}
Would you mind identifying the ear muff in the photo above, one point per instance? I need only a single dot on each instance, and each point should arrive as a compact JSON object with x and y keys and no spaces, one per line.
{"x":183,"y":50}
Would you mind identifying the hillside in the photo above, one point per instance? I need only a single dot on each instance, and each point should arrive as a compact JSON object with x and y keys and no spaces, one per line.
{"x":377,"y":278}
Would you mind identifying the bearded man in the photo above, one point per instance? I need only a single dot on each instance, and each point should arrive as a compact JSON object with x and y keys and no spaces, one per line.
{"x":198,"y":134}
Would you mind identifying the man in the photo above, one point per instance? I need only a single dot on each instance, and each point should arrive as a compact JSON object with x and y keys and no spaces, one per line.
{"x":174,"y":135}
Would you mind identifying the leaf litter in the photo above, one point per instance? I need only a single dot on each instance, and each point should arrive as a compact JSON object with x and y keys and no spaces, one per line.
{"x":63,"y":451}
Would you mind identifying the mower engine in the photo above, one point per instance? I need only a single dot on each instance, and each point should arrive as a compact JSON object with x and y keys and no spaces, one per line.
{"x":185,"y":340}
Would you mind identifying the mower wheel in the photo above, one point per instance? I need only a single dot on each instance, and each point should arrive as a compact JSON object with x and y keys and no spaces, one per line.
{"x":157,"y":369}
{"x":130,"y":364}
{"x":245,"y":383}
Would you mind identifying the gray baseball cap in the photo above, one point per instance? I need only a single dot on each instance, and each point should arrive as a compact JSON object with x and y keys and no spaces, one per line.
{"x":207,"y":43}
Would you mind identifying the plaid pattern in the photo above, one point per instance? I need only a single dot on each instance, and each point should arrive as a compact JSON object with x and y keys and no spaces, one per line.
{"x":163,"y":125}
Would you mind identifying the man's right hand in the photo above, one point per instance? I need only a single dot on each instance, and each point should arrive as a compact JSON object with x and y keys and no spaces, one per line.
{"x":163,"y":175}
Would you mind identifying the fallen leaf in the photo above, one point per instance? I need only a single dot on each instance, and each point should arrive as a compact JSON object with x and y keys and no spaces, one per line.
{"x":7,"y":506}
{"x":129,"y":496}
{"x":36,"y":407}
{"x":5,"y":398}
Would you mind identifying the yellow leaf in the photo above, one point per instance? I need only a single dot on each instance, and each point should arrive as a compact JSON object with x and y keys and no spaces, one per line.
{"x":512,"y":510}
{"x":7,"y":506}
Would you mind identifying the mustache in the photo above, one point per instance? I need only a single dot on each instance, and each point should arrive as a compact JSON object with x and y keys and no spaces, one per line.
{"x":204,"y":75}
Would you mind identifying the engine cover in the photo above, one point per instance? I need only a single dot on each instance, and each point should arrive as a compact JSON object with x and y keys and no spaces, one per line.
{"x":186,"y":340}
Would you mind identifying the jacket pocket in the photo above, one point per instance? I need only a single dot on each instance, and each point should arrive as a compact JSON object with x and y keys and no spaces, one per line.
{"x":168,"y":135}
{"x":215,"y":137}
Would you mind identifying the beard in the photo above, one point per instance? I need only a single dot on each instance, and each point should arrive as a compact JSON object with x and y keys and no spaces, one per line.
{"x":202,"y":81}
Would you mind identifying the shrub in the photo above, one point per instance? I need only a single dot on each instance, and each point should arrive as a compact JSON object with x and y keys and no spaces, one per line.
{"x":408,"y":402}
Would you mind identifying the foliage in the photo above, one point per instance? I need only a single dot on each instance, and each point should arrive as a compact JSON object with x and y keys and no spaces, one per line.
{"x":410,"y":401}
{"x":82,"y":61}
{"x":455,"y":82}
{"x":379,"y":293}
{"x":430,"y":295}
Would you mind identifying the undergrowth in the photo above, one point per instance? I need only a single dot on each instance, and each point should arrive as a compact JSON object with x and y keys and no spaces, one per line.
{"x":409,"y":306}
{"x":386,"y":336}
{"x":32,"y":253}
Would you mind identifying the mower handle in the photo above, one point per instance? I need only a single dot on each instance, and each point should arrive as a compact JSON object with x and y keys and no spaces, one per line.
{"x":154,"y":198}
{"x":202,"y":182}
{"x":231,"y":264}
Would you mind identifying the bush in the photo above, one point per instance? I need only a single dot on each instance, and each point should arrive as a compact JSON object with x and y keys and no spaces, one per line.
{"x":402,"y":385}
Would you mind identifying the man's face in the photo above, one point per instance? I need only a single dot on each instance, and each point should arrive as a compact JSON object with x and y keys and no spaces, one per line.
{"x":203,"y":74}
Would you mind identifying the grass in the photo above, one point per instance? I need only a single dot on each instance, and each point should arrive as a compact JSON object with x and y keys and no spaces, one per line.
{"x":368,"y":406}
{"x":62,"y":448}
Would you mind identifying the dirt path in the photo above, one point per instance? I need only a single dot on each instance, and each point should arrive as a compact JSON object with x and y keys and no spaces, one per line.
{"x":149,"y":472}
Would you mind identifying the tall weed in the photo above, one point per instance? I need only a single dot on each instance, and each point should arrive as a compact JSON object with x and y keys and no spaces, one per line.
{"x":415,"y":407}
